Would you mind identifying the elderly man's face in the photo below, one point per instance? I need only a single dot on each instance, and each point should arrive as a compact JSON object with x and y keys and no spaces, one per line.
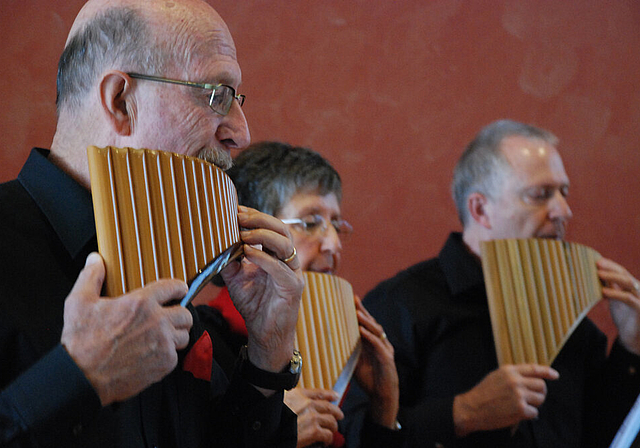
{"x":532,"y":201}
{"x":178,"y":118}
{"x":319,"y":249}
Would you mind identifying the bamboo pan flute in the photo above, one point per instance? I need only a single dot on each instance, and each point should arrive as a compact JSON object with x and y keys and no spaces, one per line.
{"x":159,"y":215}
{"x":538,"y":291}
{"x":327,"y":332}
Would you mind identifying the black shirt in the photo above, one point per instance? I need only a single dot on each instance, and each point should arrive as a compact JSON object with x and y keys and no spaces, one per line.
{"x":436,"y":316}
{"x":46,"y":232}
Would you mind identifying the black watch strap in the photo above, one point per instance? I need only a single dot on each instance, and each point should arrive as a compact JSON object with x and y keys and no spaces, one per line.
{"x":287,"y":379}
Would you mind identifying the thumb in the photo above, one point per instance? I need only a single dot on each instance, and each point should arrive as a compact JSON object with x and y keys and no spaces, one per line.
{"x":89,"y":282}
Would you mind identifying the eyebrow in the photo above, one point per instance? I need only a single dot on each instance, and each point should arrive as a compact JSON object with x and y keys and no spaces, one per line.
{"x":314,"y":210}
{"x":545,"y":185}
{"x":224,"y":77}
{"x":309,"y":210}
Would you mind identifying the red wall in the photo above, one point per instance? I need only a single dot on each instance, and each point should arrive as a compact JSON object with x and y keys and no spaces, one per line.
{"x":390,"y":92}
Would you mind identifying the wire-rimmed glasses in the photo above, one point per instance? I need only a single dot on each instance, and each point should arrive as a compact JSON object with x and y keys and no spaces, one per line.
{"x":222,"y":95}
{"x":316,"y":225}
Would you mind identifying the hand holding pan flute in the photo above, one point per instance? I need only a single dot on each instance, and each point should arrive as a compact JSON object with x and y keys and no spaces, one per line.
{"x":266,"y":290}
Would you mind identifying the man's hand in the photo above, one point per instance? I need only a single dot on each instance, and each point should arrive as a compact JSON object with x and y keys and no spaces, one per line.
{"x":317,"y":416}
{"x":623,"y":292}
{"x":376,"y":370}
{"x":127,"y":343}
{"x":266,"y":290}
{"x":503,"y":398}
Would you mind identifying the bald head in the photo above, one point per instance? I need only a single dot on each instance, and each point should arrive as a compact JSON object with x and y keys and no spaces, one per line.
{"x":151,"y":36}
{"x":186,"y":9}
{"x":100,"y":103}
{"x":482,"y":166}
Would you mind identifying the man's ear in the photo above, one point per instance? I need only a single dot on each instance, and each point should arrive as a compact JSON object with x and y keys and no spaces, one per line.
{"x":117,"y":101}
{"x":477,"y":204}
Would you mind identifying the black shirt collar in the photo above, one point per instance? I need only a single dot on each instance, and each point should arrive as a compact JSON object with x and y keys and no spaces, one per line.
{"x":461,"y":268}
{"x":66,"y":204}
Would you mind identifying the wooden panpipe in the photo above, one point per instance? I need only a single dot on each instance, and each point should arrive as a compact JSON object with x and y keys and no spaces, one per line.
{"x":160,"y":215}
{"x":538,"y":291}
{"x":327,"y":332}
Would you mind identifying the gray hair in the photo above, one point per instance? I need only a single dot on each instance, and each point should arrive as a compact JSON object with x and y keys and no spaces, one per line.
{"x":116,"y":38}
{"x":268,"y":174}
{"x":482,"y":166}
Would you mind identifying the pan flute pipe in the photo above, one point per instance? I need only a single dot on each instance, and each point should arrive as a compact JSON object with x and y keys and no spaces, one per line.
{"x":538,"y":292}
{"x":327,"y":333}
{"x":160,"y":215}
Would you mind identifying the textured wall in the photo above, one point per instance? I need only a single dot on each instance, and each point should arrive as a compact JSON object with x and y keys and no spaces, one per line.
{"x":390,"y":92}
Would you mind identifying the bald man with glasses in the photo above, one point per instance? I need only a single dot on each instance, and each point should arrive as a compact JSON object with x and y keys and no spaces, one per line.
{"x":80,"y":369}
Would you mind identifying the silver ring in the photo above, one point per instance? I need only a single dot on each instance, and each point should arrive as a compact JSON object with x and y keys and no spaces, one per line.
{"x":290,"y":257}
{"x":383,"y":335}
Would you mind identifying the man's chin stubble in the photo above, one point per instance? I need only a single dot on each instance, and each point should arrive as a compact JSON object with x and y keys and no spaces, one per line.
{"x":219,"y":158}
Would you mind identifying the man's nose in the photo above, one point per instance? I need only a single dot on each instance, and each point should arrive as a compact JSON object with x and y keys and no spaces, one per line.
{"x":234,"y":131}
{"x":560,"y":207}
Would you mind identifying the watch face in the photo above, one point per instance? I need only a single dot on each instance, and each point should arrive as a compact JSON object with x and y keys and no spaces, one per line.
{"x":296,"y":363}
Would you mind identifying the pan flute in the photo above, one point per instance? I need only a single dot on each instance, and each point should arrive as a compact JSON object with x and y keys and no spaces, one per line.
{"x":538,"y":291}
{"x":160,"y":215}
{"x":327,"y":333}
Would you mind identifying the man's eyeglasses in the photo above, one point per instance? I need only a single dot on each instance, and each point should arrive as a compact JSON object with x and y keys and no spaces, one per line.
{"x":317,"y":225}
{"x":222,"y":95}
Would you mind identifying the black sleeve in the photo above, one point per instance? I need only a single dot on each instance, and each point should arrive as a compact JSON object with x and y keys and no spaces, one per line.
{"x":50,"y":401}
{"x":427,"y":421}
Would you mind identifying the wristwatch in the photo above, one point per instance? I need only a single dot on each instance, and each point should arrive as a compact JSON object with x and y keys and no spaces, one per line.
{"x":287,"y":379}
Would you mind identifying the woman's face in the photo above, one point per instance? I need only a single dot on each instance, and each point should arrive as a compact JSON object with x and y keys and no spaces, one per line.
{"x":318,"y":246}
